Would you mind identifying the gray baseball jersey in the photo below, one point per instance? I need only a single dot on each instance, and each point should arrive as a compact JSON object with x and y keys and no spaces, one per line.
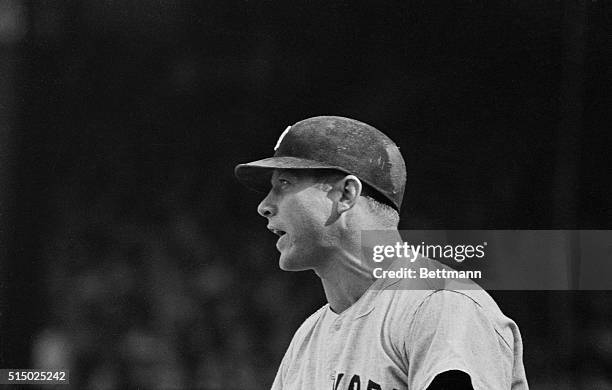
{"x":401,"y":339}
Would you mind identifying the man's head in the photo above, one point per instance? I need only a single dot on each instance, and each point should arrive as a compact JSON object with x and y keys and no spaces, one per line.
{"x":330,"y":178}
{"x":318,"y":212}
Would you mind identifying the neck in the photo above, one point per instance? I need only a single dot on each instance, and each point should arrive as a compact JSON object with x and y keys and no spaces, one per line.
{"x":346,"y":276}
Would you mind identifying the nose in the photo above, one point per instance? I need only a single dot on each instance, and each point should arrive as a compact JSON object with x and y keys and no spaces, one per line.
{"x":266,"y":207}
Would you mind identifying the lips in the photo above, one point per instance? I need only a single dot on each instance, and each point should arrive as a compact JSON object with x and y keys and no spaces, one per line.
{"x":281,"y":234}
{"x":278,"y":232}
{"x":281,"y":242}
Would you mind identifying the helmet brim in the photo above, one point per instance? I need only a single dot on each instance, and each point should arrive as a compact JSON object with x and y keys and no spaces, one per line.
{"x":257,"y":174}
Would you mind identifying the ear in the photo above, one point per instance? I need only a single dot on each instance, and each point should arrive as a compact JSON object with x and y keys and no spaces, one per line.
{"x":350,"y":189}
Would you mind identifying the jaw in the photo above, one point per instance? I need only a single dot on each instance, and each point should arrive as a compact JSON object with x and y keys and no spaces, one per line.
{"x":286,"y":263}
{"x":293,"y":258}
{"x":297,"y":258}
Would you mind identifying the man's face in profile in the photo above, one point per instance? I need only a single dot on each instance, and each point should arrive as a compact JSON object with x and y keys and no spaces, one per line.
{"x":297,"y":208}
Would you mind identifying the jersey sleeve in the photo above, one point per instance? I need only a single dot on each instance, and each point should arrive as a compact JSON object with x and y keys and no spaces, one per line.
{"x":278,"y":380}
{"x":451,"y":331}
{"x":287,"y":365}
{"x":281,"y":374}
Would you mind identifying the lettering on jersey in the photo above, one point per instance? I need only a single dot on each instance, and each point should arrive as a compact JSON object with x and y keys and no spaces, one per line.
{"x":338,"y":381}
{"x":355,"y":383}
{"x":373,"y":385}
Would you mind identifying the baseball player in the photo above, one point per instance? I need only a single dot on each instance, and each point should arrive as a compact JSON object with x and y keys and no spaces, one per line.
{"x":330,"y":179}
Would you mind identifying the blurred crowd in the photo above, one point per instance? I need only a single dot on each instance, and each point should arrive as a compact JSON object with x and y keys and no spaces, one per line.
{"x":162,"y":306}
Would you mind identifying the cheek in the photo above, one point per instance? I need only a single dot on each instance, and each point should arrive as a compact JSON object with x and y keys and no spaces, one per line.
{"x":314,"y":234}
{"x":312,"y":214}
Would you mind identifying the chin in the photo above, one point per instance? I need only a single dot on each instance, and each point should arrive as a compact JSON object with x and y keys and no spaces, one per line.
{"x":290,"y":263}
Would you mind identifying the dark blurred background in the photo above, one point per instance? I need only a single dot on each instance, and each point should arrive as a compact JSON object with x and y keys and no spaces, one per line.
{"x":132,"y":256}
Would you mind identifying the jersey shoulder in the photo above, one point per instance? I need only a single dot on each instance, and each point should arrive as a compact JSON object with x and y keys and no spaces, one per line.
{"x":309,"y":325}
{"x":503,"y":325}
{"x":466,"y":304}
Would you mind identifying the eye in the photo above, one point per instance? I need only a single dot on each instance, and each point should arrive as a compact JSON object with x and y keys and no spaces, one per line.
{"x":283,"y":182}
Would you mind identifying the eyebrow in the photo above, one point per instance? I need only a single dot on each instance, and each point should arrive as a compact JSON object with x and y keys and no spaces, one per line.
{"x":287,"y":173}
